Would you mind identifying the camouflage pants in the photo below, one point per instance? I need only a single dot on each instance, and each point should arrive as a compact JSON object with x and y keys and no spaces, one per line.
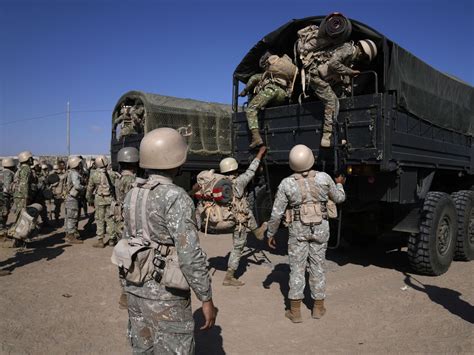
{"x":239,"y":239}
{"x":331,"y":103}
{"x":20,"y":203}
{"x":160,"y":326}
{"x":72,"y":215}
{"x":104,"y":221}
{"x":127,"y":129}
{"x":270,"y":94}
{"x":57,"y":207}
{"x":307,"y":249}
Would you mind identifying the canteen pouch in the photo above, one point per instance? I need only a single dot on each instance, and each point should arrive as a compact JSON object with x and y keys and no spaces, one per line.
{"x":172,"y":275}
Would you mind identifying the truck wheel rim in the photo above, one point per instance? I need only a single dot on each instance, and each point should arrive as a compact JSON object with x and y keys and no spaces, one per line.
{"x":444,"y":235}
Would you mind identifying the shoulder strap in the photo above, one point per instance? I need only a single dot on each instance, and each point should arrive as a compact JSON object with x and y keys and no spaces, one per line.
{"x":308,"y":190}
{"x":134,"y":211}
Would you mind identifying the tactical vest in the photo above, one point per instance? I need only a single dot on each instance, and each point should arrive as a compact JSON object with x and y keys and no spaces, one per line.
{"x":310,"y":211}
{"x":71,"y":190}
{"x":139,"y":258}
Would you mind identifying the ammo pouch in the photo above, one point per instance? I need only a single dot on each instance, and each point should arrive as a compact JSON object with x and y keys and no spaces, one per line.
{"x":310,"y":211}
{"x":172,"y":276}
{"x":331,"y":209}
{"x":310,"y":214}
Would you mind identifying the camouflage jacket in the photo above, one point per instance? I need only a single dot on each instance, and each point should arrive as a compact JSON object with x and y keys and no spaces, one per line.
{"x":74,"y":180}
{"x":99,"y":189}
{"x":23,"y":183}
{"x":8,"y":177}
{"x":289,"y":195}
{"x":171,"y":221}
{"x":335,"y":61}
{"x":123,"y":185}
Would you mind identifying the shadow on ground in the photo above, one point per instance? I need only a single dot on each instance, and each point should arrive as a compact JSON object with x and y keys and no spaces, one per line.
{"x":207,"y":341}
{"x":449,"y":299}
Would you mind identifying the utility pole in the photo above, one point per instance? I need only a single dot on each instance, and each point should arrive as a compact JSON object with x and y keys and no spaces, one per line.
{"x":68,"y":129}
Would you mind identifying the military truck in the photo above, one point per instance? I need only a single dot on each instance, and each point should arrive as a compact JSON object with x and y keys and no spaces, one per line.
{"x":207,"y":126}
{"x":403,"y":137}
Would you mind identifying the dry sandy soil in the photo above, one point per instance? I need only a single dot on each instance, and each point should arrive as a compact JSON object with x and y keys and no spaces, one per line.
{"x":63,"y":299}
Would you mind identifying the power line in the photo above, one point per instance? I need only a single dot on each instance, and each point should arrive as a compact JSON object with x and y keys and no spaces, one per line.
{"x":48,"y":116}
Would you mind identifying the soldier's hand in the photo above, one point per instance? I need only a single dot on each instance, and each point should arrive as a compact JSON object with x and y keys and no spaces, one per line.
{"x":243,"y":93}
{"x":261,"y":152}
{"x":355,"y":73}
{"x":210,"y":314}
{"x":340,"y":179}
{"x":272,"y":243}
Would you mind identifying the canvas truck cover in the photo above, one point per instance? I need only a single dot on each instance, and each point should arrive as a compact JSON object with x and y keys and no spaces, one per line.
{"x":210,"y":123}
{"x":421,"y":90}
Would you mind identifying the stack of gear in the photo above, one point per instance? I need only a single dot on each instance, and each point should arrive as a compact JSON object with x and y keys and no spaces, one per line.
{"x":216,"y":196}
{"x":26,"y":226}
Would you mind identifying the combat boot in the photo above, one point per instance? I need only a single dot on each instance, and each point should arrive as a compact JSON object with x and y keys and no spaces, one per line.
{"x":259,"y":232}
{"x":257,"y":140}
{"x":294,"y":313}
{"x":326,"y":140}
{"x":99,"y":244}
{"x":123,"y":301}
{"x":230,"y":280}
{"x":112,"y":241}
{"x":318,"y":309}
{"x":72,"y":239}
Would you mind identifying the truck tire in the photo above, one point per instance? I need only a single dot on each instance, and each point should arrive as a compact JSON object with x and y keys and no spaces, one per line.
{"x":464,"y":201}
{"x":431,"y":251}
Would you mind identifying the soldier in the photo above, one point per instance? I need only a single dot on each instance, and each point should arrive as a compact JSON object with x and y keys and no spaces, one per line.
{"x":23,"y":183}
{"x":9,"y":169}
{"x":274,"y":86}
{"x":241,"y":211}
{"x":160,"y":318}
{"x":58,"y":189}
{"x":304,"y":195}
{"x":125,"y":120}
{"x":101,"y":193}
{"x":330,"y":67}
{"x":75,"y":188}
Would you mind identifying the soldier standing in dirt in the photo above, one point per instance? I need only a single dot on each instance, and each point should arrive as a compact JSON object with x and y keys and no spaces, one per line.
{"x":101,"y":193}
{"x":241,"y":211}
{"x":304,"y":195}
{"x":160,"y":318}
{"x":58,"y":189}
{"x":23,"y":183}
{"x":75,"y":188}
{"x":273,"y":86}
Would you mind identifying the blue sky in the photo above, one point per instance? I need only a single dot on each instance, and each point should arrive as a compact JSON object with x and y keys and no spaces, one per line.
{"x":91,"y":52}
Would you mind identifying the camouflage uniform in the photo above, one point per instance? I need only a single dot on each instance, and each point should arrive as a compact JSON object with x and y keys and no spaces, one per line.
{"x":58,"y":190}
{"x":74,"y":180}
{"x":161,"y":319}
{"x":122,"y":186}
{"x":99,"y":187}
{"x":306,"y":244}
{"x":337,"y":61}
{"x":266,"y":93}
{"x":8,"y":176}
{"x":244,"y":215}
{"x":23,"y":194}
{"x":39,"y":181}
{"x":130,"y":120}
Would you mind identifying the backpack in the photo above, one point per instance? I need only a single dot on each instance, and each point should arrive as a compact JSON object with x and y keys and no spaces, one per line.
{"x":306,"y":43}
{"x":215,"y":197}
{"x":25,"y":227}
{"x":282,"y":71}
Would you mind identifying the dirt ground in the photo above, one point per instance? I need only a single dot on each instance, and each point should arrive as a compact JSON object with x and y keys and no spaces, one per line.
{"x":62,"y":299}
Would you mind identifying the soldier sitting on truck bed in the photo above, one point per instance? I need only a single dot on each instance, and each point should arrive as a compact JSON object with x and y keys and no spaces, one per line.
{"x":330,"y":67}
{"x":274,"y":86}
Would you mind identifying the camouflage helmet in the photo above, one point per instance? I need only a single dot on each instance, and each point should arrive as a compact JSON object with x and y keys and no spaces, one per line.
{"x":73,"y":162}
{"x":301,"y":158}
{"x":228,"y":164}
{"x":368,"y":47}
{"x":36,"y":163}
{"x":128,"y":155}
{"x":8,"y":163}
{"x":23,"y":157}
{"x":44,"y":167}
{"x":55,"y":167}
{"x":101,"y":161}
{"x":163,"y":148}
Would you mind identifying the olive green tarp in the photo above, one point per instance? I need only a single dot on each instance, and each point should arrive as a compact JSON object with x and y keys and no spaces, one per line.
{"x":421,"y":90}
{"x":209,"y":122}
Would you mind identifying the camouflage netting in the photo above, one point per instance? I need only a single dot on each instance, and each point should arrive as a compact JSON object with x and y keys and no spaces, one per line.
{"x":210,"y":123}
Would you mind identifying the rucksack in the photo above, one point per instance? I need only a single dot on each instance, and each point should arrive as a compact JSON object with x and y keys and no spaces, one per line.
{"x":215,"y":197}
{"x":282,"y":71}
